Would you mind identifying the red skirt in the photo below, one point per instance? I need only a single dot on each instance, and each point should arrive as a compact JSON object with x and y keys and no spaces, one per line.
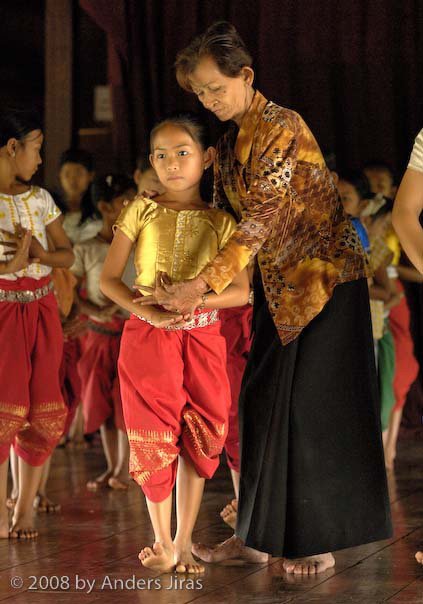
{"x":176,"y":400}
{"x":97,"y":369}
{"x":32,"y":410}
{"x":406,"y":366}
{"x":236,"y":329}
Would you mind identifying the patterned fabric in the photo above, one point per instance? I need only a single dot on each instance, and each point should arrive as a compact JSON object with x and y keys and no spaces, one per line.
{"x":273,"y":176}
{"x":416,"y":158}
{"x":33,"y":210}
{"x":380,"y":254}
{"x":178,"y":242}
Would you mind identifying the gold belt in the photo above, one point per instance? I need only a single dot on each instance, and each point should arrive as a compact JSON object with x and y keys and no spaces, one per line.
{"x":203,"y":319}
{"x":25,"y":295}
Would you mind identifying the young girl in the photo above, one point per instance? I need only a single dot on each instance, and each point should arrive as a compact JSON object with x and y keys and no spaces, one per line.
{"x":97,"y":367}
{"x":172,"y":369}
{"x":32,"y":411}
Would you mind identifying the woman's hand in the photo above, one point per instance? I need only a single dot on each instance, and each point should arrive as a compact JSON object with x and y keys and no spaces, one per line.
{"x":182,"y":297}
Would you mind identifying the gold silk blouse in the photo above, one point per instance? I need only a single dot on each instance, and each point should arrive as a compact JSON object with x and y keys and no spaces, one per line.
{"x":272,"y":174}
{"x":178,"y":242}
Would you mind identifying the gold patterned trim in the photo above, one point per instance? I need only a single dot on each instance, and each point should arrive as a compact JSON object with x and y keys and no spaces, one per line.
{"x":150,"y":451}
{"x":207,"y":438}
{"x":14,"y":409}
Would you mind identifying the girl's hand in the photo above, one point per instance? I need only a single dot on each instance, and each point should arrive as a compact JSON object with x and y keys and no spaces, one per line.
{"x":36,"y":250}
{"x":19,"y":248}
{"x":163,"y":318}
{"x":73,"y":327}
{"x":106,"y":313}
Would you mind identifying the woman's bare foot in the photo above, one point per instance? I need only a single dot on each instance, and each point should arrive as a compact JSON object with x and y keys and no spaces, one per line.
{"x":100,"y":481}
{"x":419,"y":557}
{"x":44,"y":504}
{"x":115,"y":482}
{"x":229,"y":550}
{"x":229,"y":513}
{"x":160,"y":557}
{"x":309,"y":565}
{"x":23,"y":528}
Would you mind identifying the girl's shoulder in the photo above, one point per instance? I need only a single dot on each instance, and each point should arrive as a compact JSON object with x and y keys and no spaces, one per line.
{"x":221,"y":217}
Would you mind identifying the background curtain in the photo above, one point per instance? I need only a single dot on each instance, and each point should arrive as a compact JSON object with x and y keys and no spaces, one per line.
{"x":353,"y":70}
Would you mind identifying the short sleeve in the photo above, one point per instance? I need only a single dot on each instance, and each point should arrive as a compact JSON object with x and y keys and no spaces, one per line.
{"x":416,"y":158}
{"x":51,"y":211}
{"x":228,"y":226}
{"x":131,"y":219}
{"x":78,"y":267}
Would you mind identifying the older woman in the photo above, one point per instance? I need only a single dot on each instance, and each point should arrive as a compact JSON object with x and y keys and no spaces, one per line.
{"x":312,"y":470}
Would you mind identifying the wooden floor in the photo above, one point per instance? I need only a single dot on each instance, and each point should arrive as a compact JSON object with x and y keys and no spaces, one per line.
{"x":97,"y":536}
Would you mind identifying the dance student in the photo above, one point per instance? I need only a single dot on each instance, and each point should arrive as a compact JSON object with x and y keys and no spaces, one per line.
{"x":101,"y":403}
{"x":32,"y":410}
{"x":172,"y":368}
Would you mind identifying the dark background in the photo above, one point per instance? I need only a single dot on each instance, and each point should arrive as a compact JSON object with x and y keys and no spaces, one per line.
{"x":352,"y":69}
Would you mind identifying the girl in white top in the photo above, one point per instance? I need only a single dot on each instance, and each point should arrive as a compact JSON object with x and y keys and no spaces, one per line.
{"x":409,"y":205}
{"x":32,"y":411}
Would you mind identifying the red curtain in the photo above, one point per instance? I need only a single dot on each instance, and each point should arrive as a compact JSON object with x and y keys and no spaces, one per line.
{"x":352,"y":69}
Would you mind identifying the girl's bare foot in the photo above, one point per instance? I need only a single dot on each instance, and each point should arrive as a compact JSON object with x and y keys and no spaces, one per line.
{"x":23,"y":528}
{"x":229,"y":513}
{"x":309,"y":565}
{"x":230,"y":549}
{"x":100,"y":481}
{"x":160,"y":557}
{"x":44,"y":504}
{"x":115,"y":482}
{"x":185,"y":562}
{"x":419,"y":557}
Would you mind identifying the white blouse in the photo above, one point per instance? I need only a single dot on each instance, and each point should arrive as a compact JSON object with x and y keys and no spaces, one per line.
{"x":416,"y":159}
{"x":78,"y":233}
{"x":34,"y":210}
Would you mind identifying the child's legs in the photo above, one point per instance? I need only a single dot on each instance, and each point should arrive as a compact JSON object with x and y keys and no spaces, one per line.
{"x":109,"y":440}
{"x":209,"y":399}
{"x":160,"y":515}
{"x":189,"y":493}
{"x":14,"y":470}
{"x":29,"y":480}
{"x":47,"y":413}
{"x":4,"y":516}
{"x":151,"y":384}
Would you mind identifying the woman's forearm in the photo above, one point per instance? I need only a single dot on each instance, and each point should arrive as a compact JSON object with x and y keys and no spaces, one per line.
{"x":234,"y":295}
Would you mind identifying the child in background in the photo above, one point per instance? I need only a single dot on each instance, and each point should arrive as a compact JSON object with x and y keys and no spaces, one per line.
{"x":32,"y":413}
{"x":172,"y":369}
{"x":97,"y":367}
{"x":381,"y":178}
{"x":145,"y":176}
{"x":81,"y":220}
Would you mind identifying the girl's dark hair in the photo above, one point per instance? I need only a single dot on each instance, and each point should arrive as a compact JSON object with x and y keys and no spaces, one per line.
{"x":17,"y":123}
{"x":107,"y":188}
{"x":190,"y":122}
{"x":360,"y":182}
{"x":77,"y":156}
{"x":223,"y":44}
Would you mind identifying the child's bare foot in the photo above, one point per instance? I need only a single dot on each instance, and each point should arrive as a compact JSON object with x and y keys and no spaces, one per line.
{"x":419,"y":557}
{"x":4,"y":523}
{"x":230,"y":549}
{"x":185,"y":562}
{"x":44,"y":504}
{"x":229,"y":513}
{"x":117,"y":483}
{"x":309,"y":565}
{"x":11,"y":502}
{"x":100,"y":481}
{"x":23,"y":528}
{"x":160,"y":557}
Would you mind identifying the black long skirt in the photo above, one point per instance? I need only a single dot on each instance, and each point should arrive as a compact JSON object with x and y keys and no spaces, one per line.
{"x":312,"y":468}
